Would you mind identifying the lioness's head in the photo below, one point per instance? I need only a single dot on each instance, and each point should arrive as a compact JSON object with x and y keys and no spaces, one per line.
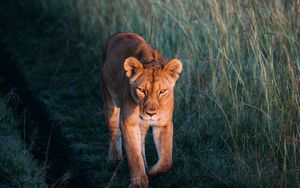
{"x":152,"y":87}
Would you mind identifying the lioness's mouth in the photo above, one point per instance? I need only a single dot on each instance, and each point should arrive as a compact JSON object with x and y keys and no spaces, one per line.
{"x":144,"y":118}
{"x":149,"y":118}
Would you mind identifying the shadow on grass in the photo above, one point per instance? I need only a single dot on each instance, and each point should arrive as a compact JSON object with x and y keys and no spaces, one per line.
{"x":42,"y":135}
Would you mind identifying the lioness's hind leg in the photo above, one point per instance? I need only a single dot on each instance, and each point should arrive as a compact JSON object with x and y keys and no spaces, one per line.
{"x":115,"y":143}
{"x":112,"y":120}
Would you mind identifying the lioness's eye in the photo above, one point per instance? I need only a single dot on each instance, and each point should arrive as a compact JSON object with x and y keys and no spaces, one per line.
{"x":162,"y":91}
{"x":141,"y":90}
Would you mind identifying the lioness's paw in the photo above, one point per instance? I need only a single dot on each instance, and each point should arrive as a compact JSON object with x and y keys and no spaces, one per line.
{"x":157,"y":169}
{"x":140,"y":183}
{"x":114,"y":158}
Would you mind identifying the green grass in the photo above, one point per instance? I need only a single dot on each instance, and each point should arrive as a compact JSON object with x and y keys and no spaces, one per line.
{"x":18,"y":169}
{"x":237,"y":101}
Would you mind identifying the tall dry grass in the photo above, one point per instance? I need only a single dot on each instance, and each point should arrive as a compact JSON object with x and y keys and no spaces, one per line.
{"x":237,"y":101}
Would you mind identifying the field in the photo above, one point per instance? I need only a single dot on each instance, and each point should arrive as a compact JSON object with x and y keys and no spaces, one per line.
{"x":18,"y":169}
{"x":237,"y":121}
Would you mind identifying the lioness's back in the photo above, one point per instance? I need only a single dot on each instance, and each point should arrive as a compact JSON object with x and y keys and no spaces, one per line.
{"x":123,"y":43}
{"x":121,"y":46}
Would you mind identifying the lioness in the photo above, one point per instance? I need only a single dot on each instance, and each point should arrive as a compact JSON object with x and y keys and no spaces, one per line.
{"x":138,"y":86}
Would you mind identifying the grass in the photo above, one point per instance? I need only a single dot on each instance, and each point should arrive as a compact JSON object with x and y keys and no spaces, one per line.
{"x":237,"y":101}
{"x":18,"y":169}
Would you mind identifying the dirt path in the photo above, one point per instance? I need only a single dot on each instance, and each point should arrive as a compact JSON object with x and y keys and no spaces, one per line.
{"x":43,"y":136}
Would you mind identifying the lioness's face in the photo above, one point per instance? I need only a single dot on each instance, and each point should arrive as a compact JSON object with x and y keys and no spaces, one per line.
{"x":152,"y":88}
{"x":152,"y":91}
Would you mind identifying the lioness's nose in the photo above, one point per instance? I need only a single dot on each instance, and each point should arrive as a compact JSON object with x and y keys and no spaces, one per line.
{"x":151,"y":110}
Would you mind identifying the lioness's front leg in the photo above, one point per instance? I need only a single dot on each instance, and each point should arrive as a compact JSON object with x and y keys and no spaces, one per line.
{"x":132,"y":141}
{"x":144,"y":129}
{"x":163,"y":138}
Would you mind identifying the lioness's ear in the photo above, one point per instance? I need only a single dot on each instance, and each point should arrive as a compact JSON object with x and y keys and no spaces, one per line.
{"x":133,"y":68}
{"x":173,"y":68}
